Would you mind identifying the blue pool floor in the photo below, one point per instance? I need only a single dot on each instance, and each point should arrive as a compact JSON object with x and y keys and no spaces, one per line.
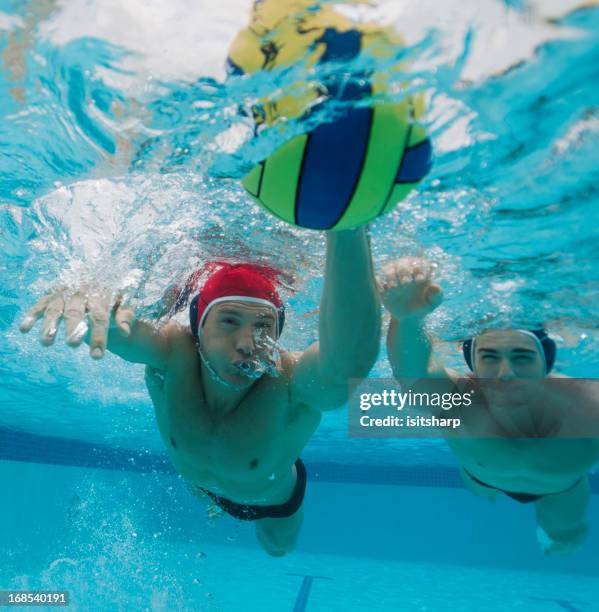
{"x":124,"y":541}
{"x":229,"y":578}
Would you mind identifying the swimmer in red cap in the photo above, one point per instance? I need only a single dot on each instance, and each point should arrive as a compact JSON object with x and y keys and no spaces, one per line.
{"x":246,"y":287}
{"x":233,"y":409}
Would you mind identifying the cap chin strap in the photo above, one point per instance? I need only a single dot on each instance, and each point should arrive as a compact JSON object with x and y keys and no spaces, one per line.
{"x":522,"y":331}
{"x":216,"y":377}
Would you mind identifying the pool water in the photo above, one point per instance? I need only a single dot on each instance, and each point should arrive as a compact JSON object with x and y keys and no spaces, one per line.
{"x":119,"y":540}
{"x":121,"y":145}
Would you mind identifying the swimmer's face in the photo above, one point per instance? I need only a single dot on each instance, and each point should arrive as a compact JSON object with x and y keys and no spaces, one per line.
{"x":507,"y":354}
{"x":238,"y":340}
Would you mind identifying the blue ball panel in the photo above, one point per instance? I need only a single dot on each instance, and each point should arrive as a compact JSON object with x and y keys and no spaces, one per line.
{"x":416,"y":164}
{"x":332,"y":165}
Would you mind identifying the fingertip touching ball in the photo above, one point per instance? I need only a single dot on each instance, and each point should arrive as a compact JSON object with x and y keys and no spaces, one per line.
{"x":346,"y":172}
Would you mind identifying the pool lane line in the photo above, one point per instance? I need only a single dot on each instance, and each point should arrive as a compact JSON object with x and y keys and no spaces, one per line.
{"x":301,"y":601}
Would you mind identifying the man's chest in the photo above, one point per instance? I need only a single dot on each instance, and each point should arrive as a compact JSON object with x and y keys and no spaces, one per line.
{"x":246,"y":439}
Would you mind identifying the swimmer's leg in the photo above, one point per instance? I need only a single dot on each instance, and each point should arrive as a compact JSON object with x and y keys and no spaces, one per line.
{"x":561,"y":518}
{"x":278,"y":536}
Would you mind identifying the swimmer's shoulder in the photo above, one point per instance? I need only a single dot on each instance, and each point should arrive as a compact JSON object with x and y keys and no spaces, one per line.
{"x":173,"y":329}
{"x":176,"y":336}
{"x":461,"y":381}
{"x":453,"y":375}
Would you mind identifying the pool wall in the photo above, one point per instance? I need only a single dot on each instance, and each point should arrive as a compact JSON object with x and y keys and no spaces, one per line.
{"x":47,"y":506}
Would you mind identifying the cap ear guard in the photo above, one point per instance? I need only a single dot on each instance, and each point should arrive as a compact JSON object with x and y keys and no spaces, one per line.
{"x":193,"y":316}
{"x":467,"y":350}
{"x":549,"y":347}
{"x":281,"y":315}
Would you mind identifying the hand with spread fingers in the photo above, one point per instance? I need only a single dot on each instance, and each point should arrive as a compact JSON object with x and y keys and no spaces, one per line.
{"x":407,"y":290}
{"x":81,"y":310}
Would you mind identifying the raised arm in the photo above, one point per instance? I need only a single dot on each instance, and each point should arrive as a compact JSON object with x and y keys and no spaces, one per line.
{"x":409,"y":295}
{"x":91,"y":317}
{"x":349,"y":326}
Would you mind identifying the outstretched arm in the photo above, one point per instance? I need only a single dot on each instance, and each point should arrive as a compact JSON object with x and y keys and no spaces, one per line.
{"x":409,"y":348}
{"x":143,"y":344}
{"x":349,"y":327}
{"x":111,"y":326}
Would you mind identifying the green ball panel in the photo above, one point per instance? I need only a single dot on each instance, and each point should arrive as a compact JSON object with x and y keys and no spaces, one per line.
{"x":400,"y":191}
{"x":269,"y":210}
{"x":417,"y":135}
{"x":252,"y":180}
{"x":280,"y":178}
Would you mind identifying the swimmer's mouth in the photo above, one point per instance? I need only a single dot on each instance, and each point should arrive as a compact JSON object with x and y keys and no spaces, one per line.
{"x":252,"y":369}
{"x":249,"y":369}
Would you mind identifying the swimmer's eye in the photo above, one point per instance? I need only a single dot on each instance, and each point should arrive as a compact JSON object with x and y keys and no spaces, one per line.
{"x":229,"y":321}
{"x":522,"y":359}
{"x":263,"y":326}
{"x":489,"y":357}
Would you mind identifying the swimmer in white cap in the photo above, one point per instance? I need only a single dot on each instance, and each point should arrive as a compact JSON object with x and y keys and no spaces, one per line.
{"x":507,"y":446}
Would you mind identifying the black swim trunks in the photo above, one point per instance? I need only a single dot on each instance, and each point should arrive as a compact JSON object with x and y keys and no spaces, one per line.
{"x":523,"y":498}
{"x":247,"y":512}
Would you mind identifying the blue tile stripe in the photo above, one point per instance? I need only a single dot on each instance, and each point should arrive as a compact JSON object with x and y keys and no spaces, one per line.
{"x":18,"y":445}
{"x":27,"y":447}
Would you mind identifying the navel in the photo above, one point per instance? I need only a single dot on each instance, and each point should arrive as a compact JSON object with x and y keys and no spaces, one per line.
{"x":173,"y":443}
{"x":253,"y":464}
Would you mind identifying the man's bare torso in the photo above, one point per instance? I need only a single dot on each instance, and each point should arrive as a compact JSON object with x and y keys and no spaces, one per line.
{"x":245,"y":455}
{"x":515,"y":448}
{"x":537,"y":466}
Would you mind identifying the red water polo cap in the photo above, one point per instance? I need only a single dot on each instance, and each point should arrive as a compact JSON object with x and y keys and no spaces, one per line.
{"x":243,"y":282}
